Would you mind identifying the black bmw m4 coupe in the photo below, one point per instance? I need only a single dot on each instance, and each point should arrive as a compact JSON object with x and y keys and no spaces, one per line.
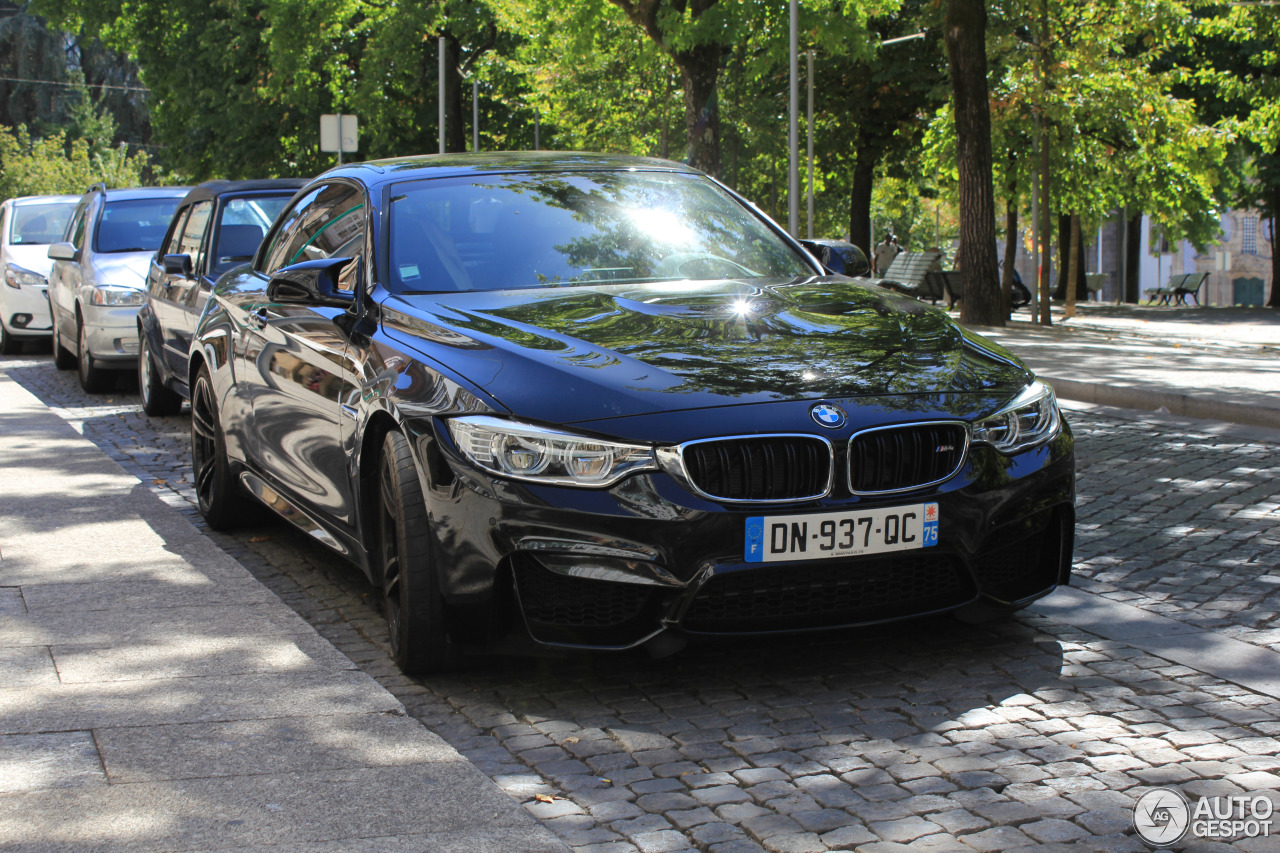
{"x":599,"y":401}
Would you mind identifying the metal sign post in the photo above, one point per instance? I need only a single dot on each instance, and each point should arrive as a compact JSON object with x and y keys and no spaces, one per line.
{"x":441,"y":96}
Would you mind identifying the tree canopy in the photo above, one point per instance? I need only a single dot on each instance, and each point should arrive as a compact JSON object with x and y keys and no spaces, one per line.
{"x":1163,"y":106}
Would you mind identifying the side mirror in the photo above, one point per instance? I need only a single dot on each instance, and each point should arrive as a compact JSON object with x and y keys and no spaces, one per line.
{"x":839,"y":256}
{"x":62,"y":252}
{"x":311,"y":283}
{"x":177,"y":265}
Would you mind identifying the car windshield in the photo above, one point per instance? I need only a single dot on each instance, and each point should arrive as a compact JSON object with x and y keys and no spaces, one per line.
{"x":137,"y":225}
{"x":553,"y":229}
{"x":39,"y":224}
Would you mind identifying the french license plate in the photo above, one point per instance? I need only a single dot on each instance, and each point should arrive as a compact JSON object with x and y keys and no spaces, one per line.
{"x":822,"y":535}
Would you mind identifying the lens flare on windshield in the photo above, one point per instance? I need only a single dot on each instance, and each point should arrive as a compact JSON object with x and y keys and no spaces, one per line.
{"x":663,"y":225}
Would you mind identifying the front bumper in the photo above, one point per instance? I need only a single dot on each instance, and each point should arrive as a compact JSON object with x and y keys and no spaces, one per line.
{"x":113,"y":334}
{"x":614,"y":568}
{"x":30,"y":301}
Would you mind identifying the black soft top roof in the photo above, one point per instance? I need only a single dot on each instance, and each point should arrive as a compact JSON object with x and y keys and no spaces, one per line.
{"x":214,"y":189}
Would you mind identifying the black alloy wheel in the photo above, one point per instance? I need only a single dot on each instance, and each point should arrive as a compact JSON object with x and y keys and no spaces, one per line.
{"x":94,"y":380}
{"x":157,"y":400}
{"x":63,"y":358}
{"x":412,"y":601}
{"x":217,"y":493}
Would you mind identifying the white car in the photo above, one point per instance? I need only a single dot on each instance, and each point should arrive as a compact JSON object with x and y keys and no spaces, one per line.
{"x":27,"y":226}
{"x":98,"y":279}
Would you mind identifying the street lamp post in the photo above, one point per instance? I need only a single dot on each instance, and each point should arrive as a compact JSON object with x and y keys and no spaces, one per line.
{"x":809,"y":82}
{"x":793,"y":135}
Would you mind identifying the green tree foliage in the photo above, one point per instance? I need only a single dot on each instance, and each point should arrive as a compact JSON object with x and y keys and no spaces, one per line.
{"x":238,"y":86}
{"x":54,"y":79}
{"x":599,"y":84}
{"x":206,"y":64}
{"x":1231,"y":68}
{"x":1118,"y":130}
{"x":874,"y":106}
{"x":54,"y":165}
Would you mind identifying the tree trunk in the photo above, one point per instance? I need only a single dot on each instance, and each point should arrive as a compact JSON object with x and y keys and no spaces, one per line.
{"x":1074,"y":268}
{"x":1079,"y":291}
{"x":1133,"y":260}
{"x":860,"y":203}
{"x":965,"y":34}
{"x":455,"y":128}
{"x":1064,"y":255}
{"x":1046,"y":256}
{"x":699,"y":69}
{"x":1010,"y":248}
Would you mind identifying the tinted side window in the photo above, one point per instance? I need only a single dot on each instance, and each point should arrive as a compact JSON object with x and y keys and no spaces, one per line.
{"x":75,"y":228}
{"x":170,"y":246}
{"x":326,"y":223}
{"x":193,"y":233}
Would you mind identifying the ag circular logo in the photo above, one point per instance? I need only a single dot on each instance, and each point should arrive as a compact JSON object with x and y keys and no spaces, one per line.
{"x":827,"y":415}
{"x":1161,"y":816}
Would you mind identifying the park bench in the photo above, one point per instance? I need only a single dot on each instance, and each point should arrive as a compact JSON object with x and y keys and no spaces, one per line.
{"x":947,"y":282}
{"x":1180,"y":287}
{"x":907,"y":275}
{"x":951,"y":282}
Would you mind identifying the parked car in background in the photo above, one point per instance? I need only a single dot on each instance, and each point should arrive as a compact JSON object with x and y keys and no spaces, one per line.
{"x":604,"y":402}
{"x":96,"y":282}
{"x":218,"y":225}
{"x":27,"y":226}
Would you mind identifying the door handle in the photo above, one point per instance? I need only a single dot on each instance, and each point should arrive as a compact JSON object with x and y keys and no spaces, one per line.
{"x":258,"y":319}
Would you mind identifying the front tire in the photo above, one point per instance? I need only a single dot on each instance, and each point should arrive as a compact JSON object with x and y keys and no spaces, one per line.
{"x":63,"y":358}
{"x":414,"y":608}
{"x":218,"y":495}
{"x":157,"y":400}
{"x":94,"y":380}
{"x":9,"y":345}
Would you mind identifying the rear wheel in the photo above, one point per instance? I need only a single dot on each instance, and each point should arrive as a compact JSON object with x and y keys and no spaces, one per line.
{"x":63,"y":358}
{"x":9,"y":345}
{"x":413,"y":605}
{"x":157,"y":400}
{"x":217,"y":494}
{"x":93,"y":380}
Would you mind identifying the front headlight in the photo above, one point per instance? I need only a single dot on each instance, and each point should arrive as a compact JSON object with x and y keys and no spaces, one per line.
{"x":17,"y":277}
{"x":114,"y":296}
{"x":541,"y":455}
{"x":1031,"y":419}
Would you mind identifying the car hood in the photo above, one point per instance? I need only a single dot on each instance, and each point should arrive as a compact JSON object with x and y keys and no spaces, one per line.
{"x":30,"y":256}
{"x":126,"y":269}
{"x":568,"y":354}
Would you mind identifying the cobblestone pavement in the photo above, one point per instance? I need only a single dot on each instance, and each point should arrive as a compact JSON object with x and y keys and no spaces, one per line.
{"x":931,"y":736}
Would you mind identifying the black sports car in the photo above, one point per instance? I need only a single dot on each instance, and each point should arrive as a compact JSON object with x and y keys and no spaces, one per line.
{"x":603,"y":400}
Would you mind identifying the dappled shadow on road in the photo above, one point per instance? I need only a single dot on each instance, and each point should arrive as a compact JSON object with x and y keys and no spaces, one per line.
{"x":1182,"y":524}
{"x":887,"y":682}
